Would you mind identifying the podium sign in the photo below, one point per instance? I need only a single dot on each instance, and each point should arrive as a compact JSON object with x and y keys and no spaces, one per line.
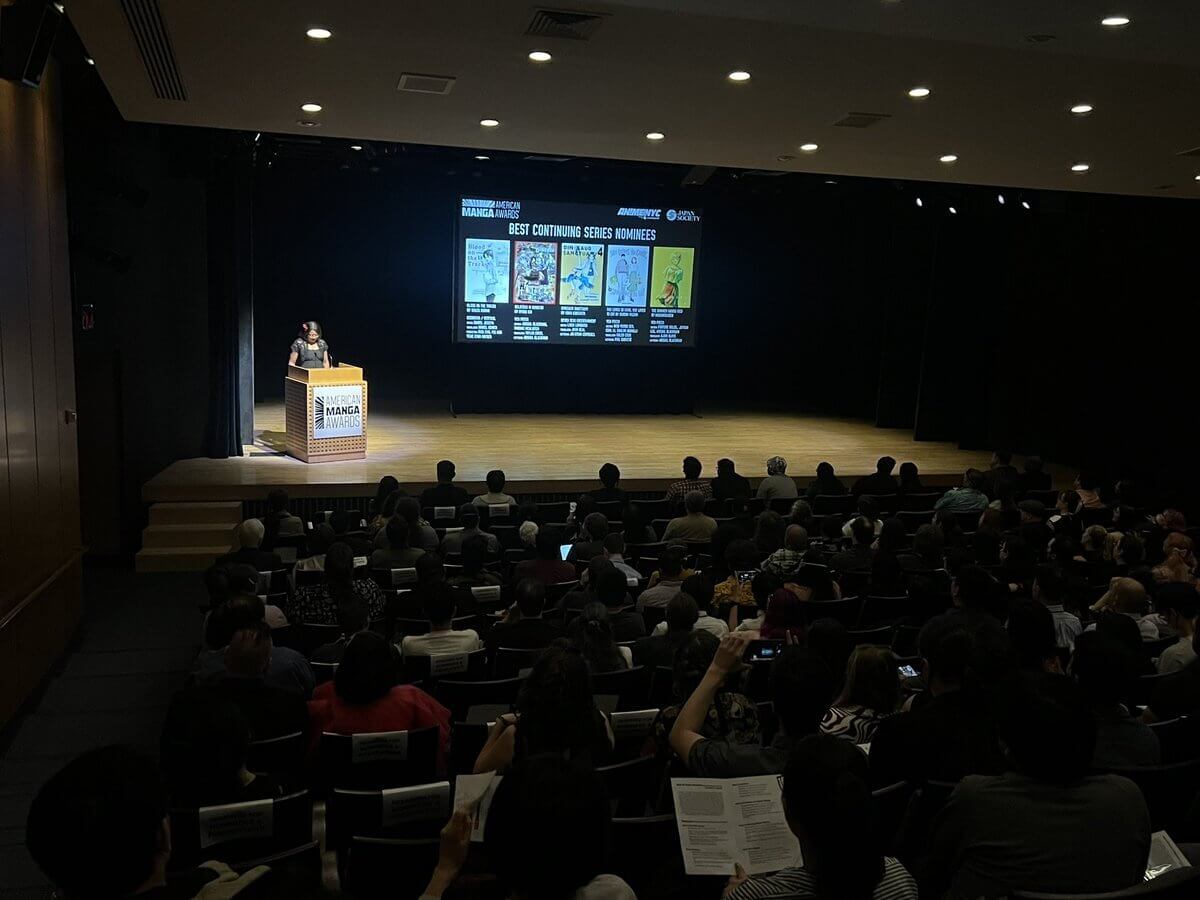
{"x":326,"y":413}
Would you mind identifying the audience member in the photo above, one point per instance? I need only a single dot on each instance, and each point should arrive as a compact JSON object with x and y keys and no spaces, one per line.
{"x":826,"y":484}
{"x":801,"y":689}
{"x":741,"y":561}
{"x":829,"y":639}
{"x":398,"y":555}
{"x":728,"y":484}
{"x":352,"y":618}
{"x":286,"y":669}
{"x":382,"y":513}
{"x":1001,"y":472}
{"x":319,"y":542}
{"x":318,"y":604}
{"x":784,"y":619}
{"x":420,"y":533}
{"x":1178,"y":605}
{"x":473,"y":559}
{"x":1002,"y":833}
{"x":1030,"y":628}
{"x":609,"y":490}
{"x":548,"y":565}
{"x":99,"y":829}
{"x":527,"y":532}
{"x":592,"y":633}
{"x":968,"y":498}
{"x":829,"y":808}
{"x":250,"y":538}
{"x":339,"y":521}
{"x":1106,"y":672}
{"x":445,"y":492}
{"x":468,"y":517}
{"x":859,"y":557}
{"x":870,"y":694}
{"x":626,"y":623}
{"x":879,"y":483}
{"x":658,"y":649}
{"x":790,"y":557}
{"x":365,"y":696}
{"x":441,"y":638}
{"x":522,"y":627}
{"x":695,"y":525}
{"x":910,"y":480}
{"x":1049,"y":589}
{"x":591,"y":539}
{"x":928,"y":551}
{"x":1034,"y":530}
{"x":802,"y":515}
{"x":495,"y":495}
{"x":278,"y":522}
{"x":1178,"y":694}
{"x":671,"y":575}
{"x":887,"y":573}
{"x":777,"y":484}
{"x":555,"y":714}
{"x":614,"y":551}
{"x":1033,"y":478}
{"x":223,"y":580}
{"x":387,"y":488}
{"x":1087,"y":486}
{"x":762,"y":586}
{"x":700,"y":588}
{"x":1127,"y":596}
{"x":635,"y":527}
{"x":769,"y":531}
{"x":677,"y":491}
{"x":1179,"y":562}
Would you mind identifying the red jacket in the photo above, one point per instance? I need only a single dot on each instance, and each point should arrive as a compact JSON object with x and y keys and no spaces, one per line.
{"x":403,"y":708}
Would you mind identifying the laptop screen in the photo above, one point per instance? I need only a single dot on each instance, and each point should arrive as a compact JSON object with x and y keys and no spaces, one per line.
{"x":564,"y":549}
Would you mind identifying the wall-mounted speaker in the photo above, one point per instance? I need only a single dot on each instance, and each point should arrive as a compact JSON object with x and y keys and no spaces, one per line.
{"x":27,"y":32}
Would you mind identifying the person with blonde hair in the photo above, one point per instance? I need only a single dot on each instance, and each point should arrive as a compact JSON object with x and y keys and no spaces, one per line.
{"x":871,"y":694}
{"x":1127,"y":596}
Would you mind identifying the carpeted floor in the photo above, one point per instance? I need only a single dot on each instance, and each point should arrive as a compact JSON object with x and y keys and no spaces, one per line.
{"x":134,"y":649}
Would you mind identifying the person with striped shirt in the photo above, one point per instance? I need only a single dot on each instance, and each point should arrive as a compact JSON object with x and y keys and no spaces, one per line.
{"x":828,"y":805}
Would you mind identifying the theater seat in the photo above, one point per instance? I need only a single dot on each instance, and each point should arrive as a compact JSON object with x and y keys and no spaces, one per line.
{"x":391,"y":867}
{"x":381,"y":760}
{"x":1178,"y":884}
{"x":241,"y":832}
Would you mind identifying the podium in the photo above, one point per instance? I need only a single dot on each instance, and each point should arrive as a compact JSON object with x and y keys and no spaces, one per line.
{"x":325,"y":413}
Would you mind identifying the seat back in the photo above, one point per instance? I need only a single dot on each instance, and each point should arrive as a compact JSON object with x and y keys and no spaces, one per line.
{"x":313,"y":635}
{"x":645,"y":852}
{"x":630,"y":686}
{"x":557,"y":511}
{"x":830,"y":504}
{"x":890,"y":804}
{"x":380,"y":759}
{"x":459,"y":695}
{"x":414,"y":811}
{"x":881,"y":636}
{"x":632,"y":785}
{"x":471,"y":666}
{"x":510,"y":662}
{"x":240,"y":831}
{"x":631,"y":730}
{"x":924,"y":502}
{"x":323,"y":671}
{"x":845,"y":610}
{"x":1179,"y":738}
{"x":1178,"y":884}
{"x":397,"y":867}
{"x":1169,"y":790}
{"x":652,"y":509}
{"x":283,"y":755}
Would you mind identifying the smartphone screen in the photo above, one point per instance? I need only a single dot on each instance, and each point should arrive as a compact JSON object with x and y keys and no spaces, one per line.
{"x":909,"y":672}
{"x":564,"y":549}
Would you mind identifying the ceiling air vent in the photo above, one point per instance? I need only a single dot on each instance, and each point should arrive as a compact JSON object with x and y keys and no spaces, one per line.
{"x":564,"y":23}
{"x":1195,"y":151}
{"x":861,"y":119}
{"x":154,"y":44}
{"x":425,"y":84}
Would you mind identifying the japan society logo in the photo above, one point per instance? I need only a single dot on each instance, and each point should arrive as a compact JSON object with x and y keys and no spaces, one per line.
{"x":671,"y":215}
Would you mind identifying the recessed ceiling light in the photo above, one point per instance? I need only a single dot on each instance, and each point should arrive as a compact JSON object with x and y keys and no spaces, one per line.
{"x":810,"y":147}
{"x":61,"y":9}
{"x":1080,"y":167}
{"x":654,"y":135}
{"x":89,"y":60}
{"x":830,"y":181}
{"x":948,"y":158}
{"x":311,"y":107}
{"x":356,"y":146}
{"x":739,"y":75}
{"x":317,"y":33}
{"x":1081,"y":109}
{"x":540,"y":56}
{"x":489,"y":123}
{"x":1025,"y":203}
{"x":918,"y":92}
{"x":920,"y":202}
{"x":1198,"y":177}
{"x":481,"y":156}
{"x":1115,"y":21}
{"x":953,"y":211}
{"x":308,"y":123}
{"x":1000,"y":199}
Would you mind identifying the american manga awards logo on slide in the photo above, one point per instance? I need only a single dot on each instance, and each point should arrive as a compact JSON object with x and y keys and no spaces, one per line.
{"x":337,"y":411}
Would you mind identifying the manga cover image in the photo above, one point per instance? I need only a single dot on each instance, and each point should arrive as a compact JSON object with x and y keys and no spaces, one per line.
{"x":535,"y":272}
{"x":486,"y":278}
{"x":582,"y":267}
{"x":671,"y":283}
{"x":628,"y":271}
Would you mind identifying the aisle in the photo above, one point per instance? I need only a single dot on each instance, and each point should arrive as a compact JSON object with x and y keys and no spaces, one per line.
{"x":134,"y":649}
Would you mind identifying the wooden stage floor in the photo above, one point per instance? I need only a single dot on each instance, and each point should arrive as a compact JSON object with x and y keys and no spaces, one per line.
{"x":551,"y":453}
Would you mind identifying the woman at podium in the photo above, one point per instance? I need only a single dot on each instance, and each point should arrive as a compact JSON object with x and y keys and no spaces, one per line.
{"x":309,"y":351}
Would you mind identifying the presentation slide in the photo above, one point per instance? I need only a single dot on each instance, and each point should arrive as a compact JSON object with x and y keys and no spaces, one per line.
{"x":575,"y":273}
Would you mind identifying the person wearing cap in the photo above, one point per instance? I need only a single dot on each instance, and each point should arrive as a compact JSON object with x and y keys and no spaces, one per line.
{"x":468,"y":515}
{"x":1034,"y":530}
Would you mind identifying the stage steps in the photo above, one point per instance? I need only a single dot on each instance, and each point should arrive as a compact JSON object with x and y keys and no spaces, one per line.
{"x":187,"y":536}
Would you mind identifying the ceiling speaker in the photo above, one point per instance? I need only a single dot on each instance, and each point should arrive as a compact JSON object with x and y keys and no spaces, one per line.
{"x":27,"y":33}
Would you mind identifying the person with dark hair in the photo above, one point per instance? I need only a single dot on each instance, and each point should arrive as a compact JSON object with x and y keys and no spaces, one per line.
{"x":801,"y":514}
{"x":677,"y":491}
{"x":547,"y":566}
{"x":319,"y":542}
{"x":610,"y":489}
{"x":1106,"y":672}
{"x":953,"y":733}
{"x":769,"y":531}
{"x":382,"y":514}
{"x":1176,"y":695}
{"x":1049,"y":589}
{"x":1030,"y":628}
{"x":762,"y":586}
{"x":365,"y":696}
{"x":1178,"y":604}
{"x":309,"y":350}
{"x":388,"y":485}
{"x":728,"y":484}
{"x":278,"y":522}
{"x":778,"y":484}
{"x":592,"y":634}
{"x":887,"y":574}
{"x":99,"y":829}
{"x":445,"y":492}
{"x":1033,"y":478}
{"x":420,"y":533}
{"x":625,"y":621}
{"x":1003,"y":833}
{"x":318,"y":604}
{"x":968,"y":498}
{"x":831,"y":641}
{"x":634,"y":526}
{"x":351,"y":620}
{"x":614,"y":552}
{"x":658,"y":648}
{"x":870,"y":693}
{"x":1001,"y":472}
{"x":860,"y":556}
{"x":591,"y":537}
{"x":474,"y":557}
{"x":339,"y":521}
{"x":670,"y":580}
{"x":286,"y":669}
{"x":495,"y":495}
{"x":556,"y":713}
{"x":694,"y":526}
{"x":977,"y":594}
{"x":398,"y":555}
{"x":522,"y":627}
{"x":732,"y":717}
{"x":928,"y":551}
{"x":468,"y":517}
{"x":1033,"y":529}
{"x":801,"y":687}
{"x":909,"y":481}
{"x":828,"y":805}
{"x":879,"y":483}
{"x":788,"y":559}
{"x":826,"y":484}
{"x":698,"y":587}
{"x":440,"y":602}
{"x":1087,"y":486}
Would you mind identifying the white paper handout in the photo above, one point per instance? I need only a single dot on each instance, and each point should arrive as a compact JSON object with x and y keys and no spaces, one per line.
{"x":726,"y":820}
{"x":473,"y":794}
{"x":1165,"y":856}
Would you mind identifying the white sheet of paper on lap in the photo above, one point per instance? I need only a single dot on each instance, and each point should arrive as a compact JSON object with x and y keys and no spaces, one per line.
{"x":1165,"y":856}
{"x":473,"y":794}
{"x":723,"y":821}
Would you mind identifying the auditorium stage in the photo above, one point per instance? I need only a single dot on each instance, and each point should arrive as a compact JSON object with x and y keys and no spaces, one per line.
{"x":553,"y":453}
